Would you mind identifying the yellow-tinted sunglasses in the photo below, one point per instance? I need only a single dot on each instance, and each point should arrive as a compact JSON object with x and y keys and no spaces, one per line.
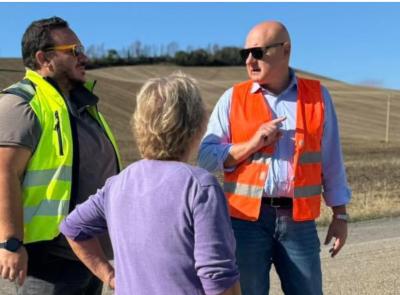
{"x":75,"y":49}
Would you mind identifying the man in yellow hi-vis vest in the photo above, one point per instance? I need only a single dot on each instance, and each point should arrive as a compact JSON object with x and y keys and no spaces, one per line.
{"x":56,"y":149}
{"x":275,"y":137}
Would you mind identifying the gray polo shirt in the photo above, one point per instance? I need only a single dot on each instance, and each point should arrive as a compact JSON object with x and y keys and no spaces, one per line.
{"x":19,"y":126}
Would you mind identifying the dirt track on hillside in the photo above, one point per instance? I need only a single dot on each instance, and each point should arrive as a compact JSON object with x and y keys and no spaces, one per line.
{"x":368,"y":264}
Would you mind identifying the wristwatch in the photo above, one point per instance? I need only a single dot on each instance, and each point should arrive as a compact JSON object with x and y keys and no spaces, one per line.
{"x":343,"y":216}
{"x":11,"y":244}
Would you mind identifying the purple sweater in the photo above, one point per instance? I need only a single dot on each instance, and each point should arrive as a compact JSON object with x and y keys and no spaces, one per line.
{"x":169,"y":228}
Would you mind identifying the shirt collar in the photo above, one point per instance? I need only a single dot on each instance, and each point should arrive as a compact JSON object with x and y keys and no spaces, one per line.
{"x":80,"y":97}
{"x":80,"y":94}
{"x":293,"y":83}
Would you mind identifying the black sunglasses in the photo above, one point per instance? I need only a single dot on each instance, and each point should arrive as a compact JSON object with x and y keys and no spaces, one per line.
{"x":258,"y":52}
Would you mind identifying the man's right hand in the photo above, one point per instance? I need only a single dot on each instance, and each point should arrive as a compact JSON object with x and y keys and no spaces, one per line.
{"x":14,"y":265}
{"x":13,"y":162}
{"x":267,"y":134}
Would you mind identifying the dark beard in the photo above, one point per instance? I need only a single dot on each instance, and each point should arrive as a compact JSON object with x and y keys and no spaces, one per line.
{"x":76,"y":84}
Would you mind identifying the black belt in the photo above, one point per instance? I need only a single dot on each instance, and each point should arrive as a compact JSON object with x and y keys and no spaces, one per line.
{"x":280,"y":202}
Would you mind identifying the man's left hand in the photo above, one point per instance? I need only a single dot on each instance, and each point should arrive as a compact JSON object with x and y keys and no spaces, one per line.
{"x":338,"y":230}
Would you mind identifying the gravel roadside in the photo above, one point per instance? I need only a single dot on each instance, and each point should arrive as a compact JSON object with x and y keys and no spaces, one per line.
{"x":368,"y":264}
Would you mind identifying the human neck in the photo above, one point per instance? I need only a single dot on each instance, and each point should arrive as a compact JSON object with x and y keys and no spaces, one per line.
{"x":63,"y":85}
{"x":279,"y":84}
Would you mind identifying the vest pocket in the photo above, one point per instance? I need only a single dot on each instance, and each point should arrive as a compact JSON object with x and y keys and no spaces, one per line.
{"x":57,"y":128}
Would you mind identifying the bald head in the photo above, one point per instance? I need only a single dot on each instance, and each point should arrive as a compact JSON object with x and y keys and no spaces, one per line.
{"x":267,"y":33}
{"x":271,"y":69}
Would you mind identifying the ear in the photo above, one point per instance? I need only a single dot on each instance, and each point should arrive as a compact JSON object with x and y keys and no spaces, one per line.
{"x":287,"y":48}
{"x":42,"y":59}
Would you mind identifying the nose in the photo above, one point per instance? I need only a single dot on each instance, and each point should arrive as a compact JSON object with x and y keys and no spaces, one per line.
{"x":83,"y":58}
{"x":250,"y":59}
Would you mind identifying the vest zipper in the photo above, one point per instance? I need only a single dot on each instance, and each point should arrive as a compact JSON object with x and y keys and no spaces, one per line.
{"x":57,"y":128}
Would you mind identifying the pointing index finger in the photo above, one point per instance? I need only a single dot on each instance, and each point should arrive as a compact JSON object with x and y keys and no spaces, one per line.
{"x":278,"y":120}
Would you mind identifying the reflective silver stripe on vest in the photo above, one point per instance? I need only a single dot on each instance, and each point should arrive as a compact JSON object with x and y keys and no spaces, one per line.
{"x":46,"y":208}
{"x":27,"y":87}
{"x":243,"y":189}
{"x":23,"y":89}
{"x":261,"y":158}
{"x":307,"y":191}
{"x":44,"y":177}
{"x":310,"y":158}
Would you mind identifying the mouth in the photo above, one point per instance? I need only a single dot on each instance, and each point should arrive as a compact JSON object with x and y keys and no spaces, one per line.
{"x":81,"y":68}
{"x":255,"y":70}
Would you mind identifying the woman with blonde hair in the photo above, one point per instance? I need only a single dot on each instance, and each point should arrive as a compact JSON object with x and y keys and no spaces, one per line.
{"x":168,"y":221}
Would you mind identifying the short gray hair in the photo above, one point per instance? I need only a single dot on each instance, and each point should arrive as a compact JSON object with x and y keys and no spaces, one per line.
{"x":169,"y":114}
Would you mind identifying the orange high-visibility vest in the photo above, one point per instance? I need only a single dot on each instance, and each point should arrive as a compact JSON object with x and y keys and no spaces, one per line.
{"x":245,"y":185}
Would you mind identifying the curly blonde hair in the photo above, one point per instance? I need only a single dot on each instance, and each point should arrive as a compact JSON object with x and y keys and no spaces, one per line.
{"x":169,"y":114}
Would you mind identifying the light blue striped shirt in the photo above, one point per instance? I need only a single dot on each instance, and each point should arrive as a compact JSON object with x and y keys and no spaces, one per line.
{"x":215,"y":146}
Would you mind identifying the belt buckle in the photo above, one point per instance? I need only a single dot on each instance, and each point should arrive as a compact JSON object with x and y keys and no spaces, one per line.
{"x":274,"y":205}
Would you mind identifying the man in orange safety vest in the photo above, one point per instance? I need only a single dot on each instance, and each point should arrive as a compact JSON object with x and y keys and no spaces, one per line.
{"x":276,"y":139}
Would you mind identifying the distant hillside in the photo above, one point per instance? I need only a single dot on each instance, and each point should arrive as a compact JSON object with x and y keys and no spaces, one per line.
{"x":361,"y":110}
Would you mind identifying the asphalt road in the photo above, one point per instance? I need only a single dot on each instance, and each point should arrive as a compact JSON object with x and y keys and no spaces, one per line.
{"x":368,"y":264}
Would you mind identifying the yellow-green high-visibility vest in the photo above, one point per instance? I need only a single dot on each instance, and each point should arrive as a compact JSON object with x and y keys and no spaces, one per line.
{"x":47,"y":183}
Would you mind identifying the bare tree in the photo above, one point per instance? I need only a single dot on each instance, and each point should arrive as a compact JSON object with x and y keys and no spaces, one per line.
{"x":172,"y":48}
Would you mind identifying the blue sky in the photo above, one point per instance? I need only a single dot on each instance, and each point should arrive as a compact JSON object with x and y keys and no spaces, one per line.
{"x":357,"y":43}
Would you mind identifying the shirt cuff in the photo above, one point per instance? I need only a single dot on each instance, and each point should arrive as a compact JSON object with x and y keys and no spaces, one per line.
{"x":73,"y":233}
{"x":337,"y":197}
{"x":217,"y":287}
{"x":223,"y":158}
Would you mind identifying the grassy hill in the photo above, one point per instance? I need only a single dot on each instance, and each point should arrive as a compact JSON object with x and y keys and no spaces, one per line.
{"x":372,"y":165}
{"x":361,"y":110}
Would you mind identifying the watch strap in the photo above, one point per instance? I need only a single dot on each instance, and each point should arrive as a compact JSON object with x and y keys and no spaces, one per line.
{"x":342,"y":216}
{"x":12,"y":244}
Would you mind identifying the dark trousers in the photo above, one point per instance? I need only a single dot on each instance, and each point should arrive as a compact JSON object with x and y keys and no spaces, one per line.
{"x":293,"y":247}
{"x":53,"y":275}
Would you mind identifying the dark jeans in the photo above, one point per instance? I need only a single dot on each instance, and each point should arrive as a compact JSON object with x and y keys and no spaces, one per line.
{"x":53,"y":275}
{"x":293,"y":247}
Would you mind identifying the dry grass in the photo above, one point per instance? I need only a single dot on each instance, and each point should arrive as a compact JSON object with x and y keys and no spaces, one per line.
{"x":372,"y":166}
{"x":373,"y":175}
{"x":366,"y":207}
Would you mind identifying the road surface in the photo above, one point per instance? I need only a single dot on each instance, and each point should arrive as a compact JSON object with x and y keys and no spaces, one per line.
{"x":368,"y":264}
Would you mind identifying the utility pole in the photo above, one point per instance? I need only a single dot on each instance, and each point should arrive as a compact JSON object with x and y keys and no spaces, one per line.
{"x":387,"y":119}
